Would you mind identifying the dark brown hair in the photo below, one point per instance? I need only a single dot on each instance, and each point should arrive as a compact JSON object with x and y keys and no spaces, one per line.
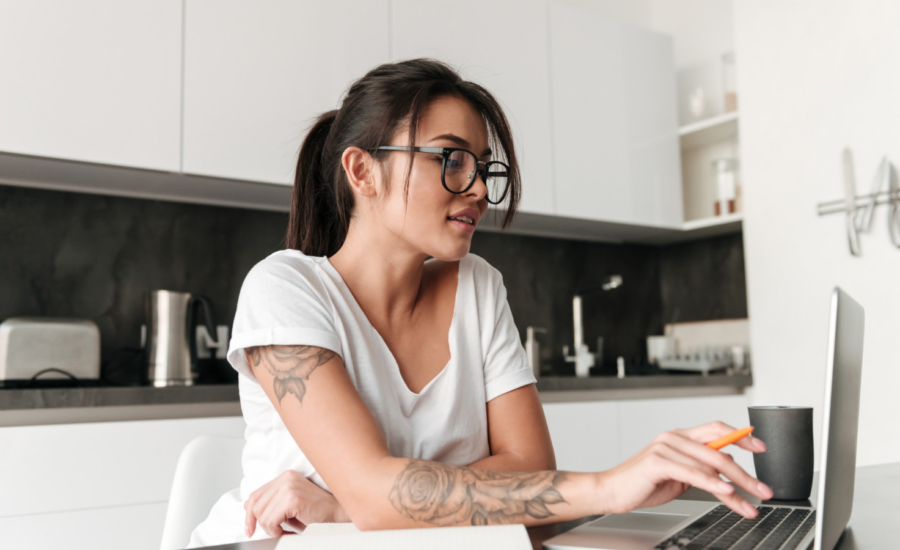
{"x":371,"y":113}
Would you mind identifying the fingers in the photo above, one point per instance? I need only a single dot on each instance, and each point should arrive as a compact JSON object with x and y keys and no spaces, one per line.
{"x":720,"y":462}
{"x":714,"y":430}
{"x":283,"y":508}
{"x":257,"y":504}
{"x":682,"y":468}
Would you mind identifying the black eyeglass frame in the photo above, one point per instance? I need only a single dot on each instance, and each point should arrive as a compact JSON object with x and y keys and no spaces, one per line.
{"x":445,"y":153}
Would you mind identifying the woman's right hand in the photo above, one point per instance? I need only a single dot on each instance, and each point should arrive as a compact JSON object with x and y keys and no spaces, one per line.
{"x":677,"y":460}
{"x":291,"y":498}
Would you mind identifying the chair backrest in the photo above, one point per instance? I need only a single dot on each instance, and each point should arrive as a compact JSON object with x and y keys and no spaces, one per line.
{"x":209,"y":467}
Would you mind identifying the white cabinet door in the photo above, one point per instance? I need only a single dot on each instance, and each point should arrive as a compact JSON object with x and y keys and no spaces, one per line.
{"x":585,"y":434}
{"x":502,"y":45}
{"x":614,"y":121}
{"x":55,"y":468}
{"x":93,"y":80}
{"x":258,"y":72}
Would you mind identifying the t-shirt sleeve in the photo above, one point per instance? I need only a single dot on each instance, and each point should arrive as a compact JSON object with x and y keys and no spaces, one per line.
{"x":282,"y":302}
{"x":506,"y":366}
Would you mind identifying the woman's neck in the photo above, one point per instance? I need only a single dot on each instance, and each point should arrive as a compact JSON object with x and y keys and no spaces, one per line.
{"x":383,"y":272}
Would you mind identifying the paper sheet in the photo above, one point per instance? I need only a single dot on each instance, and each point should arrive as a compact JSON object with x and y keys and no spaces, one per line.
{"x":336,"y":536}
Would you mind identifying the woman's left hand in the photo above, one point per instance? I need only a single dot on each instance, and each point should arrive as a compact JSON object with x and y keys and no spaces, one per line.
{"x":292,"y":499}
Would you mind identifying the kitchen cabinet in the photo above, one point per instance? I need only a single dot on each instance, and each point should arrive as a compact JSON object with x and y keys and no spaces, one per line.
{"x":501,"y":45}
{"x":108,"y":481}
{"x":258,"y":73}
{"x":616,"y":155}
{"x":585,"y":434}
{"x":93,"y":80}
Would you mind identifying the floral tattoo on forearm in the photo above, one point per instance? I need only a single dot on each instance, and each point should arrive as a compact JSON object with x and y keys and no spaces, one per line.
{"x":450,"y":495}
{"x":290,"y":365}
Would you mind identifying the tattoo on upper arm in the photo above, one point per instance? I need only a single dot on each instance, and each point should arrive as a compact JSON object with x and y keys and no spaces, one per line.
{"x":449,"y":495}
{"x":290,"y":365}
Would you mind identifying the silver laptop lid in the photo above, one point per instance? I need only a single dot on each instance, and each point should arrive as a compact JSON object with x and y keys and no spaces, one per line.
{"x":837,"y":472}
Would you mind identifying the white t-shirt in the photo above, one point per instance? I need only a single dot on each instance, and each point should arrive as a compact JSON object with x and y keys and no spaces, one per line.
{"x":293,"y":299}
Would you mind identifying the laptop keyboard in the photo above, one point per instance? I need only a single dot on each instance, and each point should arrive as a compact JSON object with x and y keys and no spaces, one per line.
{"x":722,"y":529}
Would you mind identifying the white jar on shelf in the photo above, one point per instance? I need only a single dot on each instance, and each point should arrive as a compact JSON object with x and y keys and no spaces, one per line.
{"x":727,"y":186}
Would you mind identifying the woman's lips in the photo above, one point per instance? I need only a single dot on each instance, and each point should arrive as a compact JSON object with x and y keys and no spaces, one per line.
{"x":462,"y":226}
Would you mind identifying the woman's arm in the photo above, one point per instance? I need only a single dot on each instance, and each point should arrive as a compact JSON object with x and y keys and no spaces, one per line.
{"x":518,"y":433}
{"x":323,"y":412}
{"x":519,"y":441}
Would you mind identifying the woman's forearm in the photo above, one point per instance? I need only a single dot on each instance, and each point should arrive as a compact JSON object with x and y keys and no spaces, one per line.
{"x":511,"y":462}
{"x":416,"y":493}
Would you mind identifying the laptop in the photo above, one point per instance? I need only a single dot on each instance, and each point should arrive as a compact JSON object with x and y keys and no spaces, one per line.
{"x":696,"y":525}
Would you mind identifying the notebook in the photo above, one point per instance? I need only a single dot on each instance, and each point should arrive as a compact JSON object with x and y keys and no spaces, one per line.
{"x":344,"y":536}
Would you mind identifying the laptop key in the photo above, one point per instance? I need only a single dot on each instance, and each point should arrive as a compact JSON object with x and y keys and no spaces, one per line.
{"x":686,"y":535}
{"x":737,"y":532}
{"x":763,"y":528}
{"x":798,"y":535}
{"x":714,"y":532}
{"x":777,"y":538}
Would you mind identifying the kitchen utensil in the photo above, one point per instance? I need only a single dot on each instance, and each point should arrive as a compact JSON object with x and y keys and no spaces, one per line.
{"x":726,"y":186}
{"x":172,"y":341}
{"x":533,"y":349}
{"x":787,"y":465}
{"x":659,"y":347}
{"x":29,"y":346}
{"x":850,"y":202}
{"x":703,"y":361}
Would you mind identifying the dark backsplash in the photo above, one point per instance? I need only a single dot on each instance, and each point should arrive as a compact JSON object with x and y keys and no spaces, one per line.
{"x":95,"y":257}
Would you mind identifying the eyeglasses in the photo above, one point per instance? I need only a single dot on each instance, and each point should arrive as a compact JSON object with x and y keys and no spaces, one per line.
{"x":460,"y":167}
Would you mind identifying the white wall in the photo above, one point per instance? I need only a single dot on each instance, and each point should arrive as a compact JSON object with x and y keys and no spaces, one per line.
{"x":702,"y":29}
{"x":817,"y":76}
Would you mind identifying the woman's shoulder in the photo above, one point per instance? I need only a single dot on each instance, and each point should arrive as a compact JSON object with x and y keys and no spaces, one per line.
{"x":483,"y":273}
{"x":289,"y":265}
{"x":285,"y":271}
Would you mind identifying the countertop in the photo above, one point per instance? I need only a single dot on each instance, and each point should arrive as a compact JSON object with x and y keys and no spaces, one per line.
{"x":104,"y":404}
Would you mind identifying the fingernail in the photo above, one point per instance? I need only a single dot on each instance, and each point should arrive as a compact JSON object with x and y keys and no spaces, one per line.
{"x":764,"y":489}
{"x":750,"y":509}
{"x":725,"y":487}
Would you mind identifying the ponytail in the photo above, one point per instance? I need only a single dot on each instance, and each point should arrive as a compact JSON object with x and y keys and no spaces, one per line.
{"x":371,"y":113}
{"x":315,"y":226}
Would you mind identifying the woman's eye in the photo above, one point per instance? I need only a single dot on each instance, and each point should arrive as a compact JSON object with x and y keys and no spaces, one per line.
{"x":453,"y":164}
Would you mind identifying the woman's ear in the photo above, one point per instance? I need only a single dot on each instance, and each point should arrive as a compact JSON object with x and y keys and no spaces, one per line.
{"x":360,"y":169}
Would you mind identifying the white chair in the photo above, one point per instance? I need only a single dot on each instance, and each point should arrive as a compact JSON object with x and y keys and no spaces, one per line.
{"x":209,"y":467}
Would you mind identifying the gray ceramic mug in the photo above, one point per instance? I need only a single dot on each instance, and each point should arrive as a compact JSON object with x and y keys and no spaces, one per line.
{"x":787,"y":466}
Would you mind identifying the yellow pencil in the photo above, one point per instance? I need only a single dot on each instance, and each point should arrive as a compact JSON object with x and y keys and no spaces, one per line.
{"x":730,"y":438}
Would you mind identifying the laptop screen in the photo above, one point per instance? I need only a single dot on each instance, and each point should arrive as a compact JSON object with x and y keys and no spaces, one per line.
{"x":837,"y":473}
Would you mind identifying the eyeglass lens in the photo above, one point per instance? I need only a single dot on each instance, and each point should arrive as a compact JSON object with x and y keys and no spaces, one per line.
{"x":459,"y":173}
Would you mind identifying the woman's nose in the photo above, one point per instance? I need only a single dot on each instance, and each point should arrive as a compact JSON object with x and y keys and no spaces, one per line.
{"x":479,"y":188}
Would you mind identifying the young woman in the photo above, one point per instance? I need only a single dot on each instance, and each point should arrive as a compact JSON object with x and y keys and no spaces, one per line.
{"x":389,"y":389}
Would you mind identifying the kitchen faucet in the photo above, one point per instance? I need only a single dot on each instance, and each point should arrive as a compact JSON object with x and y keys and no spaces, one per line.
{"x":583,"y":358}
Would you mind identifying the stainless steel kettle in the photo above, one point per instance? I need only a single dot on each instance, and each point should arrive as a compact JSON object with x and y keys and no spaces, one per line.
{"x":172,"y":342}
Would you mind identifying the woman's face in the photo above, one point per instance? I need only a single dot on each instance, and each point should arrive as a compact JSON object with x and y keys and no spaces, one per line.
{"x":432,"y":220}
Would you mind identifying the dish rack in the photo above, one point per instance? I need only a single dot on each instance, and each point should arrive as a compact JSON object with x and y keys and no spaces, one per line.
{"x":703,"y":361}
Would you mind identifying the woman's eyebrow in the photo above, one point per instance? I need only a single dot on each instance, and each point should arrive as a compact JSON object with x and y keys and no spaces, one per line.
{"x":459,"y":141}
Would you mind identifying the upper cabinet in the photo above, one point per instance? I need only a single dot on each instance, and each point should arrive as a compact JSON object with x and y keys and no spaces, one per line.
{"x":502,"y":45}
{"x":93,"y":80}
{"x":615,"y":124}
{"x":258,"y":73}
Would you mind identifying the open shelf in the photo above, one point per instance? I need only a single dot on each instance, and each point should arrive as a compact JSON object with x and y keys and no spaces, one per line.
{"x":732,"y":221}
{"x":708,"y":131}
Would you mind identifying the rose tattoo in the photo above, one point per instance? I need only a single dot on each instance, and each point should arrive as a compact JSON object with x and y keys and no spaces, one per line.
{"x":449,"y":495}
{"x":290,"y":365}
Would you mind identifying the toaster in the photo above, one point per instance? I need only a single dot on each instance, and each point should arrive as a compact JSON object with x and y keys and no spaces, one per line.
{"x":29,"y":346}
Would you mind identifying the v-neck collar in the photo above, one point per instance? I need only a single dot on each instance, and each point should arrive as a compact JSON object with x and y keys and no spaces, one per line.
{"x":395,"y":367}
